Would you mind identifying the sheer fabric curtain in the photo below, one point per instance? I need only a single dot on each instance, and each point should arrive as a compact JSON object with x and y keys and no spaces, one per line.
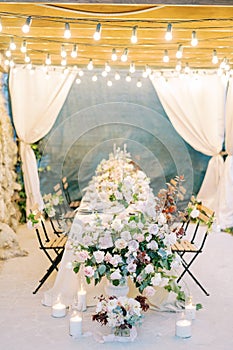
{"x":226,"y":183}
{"x":36,"y":102}
{"x":196,"y":110}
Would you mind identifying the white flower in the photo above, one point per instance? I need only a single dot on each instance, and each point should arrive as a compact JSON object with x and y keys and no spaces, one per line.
{"x":131,"y":267}
{"x":120,"y":243}
{"x":149,"y":268}
{"x":88,"y":271}
{"x":164,"y":282}
{"x":156,"y":280}
{"x":149,"y":291}
{"x":112,"y":304}
{"x":133,"y":245}
{"x":194,"y":213}
{"x":176,"y":263}
{"x":170,"y":239}
{"x":148,"y":238}
{"x":153,"y":229}
{"x":99,"y":256}
{"x":153,"y":245}
{"x":162,"y":219}
{"x":126,"y":235}
{"x":82,"y":256}
{"x":116,"y":275}
{"x":115,"y":260}
{"x":117,"y":225}
{"x":106,"y":241}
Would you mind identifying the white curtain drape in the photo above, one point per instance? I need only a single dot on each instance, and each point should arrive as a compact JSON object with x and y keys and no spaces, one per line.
{"x":196,"y":110}
{"x":226,"y":183}
{"x":36,"y":102}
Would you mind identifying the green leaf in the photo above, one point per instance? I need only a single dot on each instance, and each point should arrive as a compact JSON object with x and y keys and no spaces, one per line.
{"x":76,"y":268}
{"x":116,"y":282}
{"x":199,"y":306}
{"x":102,"y":269}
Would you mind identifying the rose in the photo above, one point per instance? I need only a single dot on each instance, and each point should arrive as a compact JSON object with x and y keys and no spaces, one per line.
{"x":156,"y":280}
{"x":149,"y":268}
{"x":133,"y":245}
{"x":153,"y":229}
{"x":116,"y":275}
{"x":88,"y":271}
{"x":82,"y":256}
{"x":149,"y":291}
{"x":117,"y":225}
{"x":126,"y":235}
{"x":153,"y":245}
{"x":120,"y":243}
{"x":162,"y":219}
{"x":131,"y":267}
{"x":170,"y":239}
{"x":115,"y":260}
{"x":99,"y":256}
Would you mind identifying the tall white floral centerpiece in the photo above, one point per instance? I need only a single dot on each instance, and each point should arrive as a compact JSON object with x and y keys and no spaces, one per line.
{"x":135,"y":240}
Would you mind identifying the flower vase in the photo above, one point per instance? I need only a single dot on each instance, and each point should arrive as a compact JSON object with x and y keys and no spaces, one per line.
{"x":117,"y":291}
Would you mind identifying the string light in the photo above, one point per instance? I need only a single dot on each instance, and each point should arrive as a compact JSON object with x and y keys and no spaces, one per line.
{"x":134,"y":38}
{"x":168,"y":35}
{"x":179,"y":52}
{"x":144,"y":74}
{"x":63,"y":62}
{"x":63,"y":51}
{"x":12,"y":44}
{"x":104,"y":73}
{"x":178,"y":66}
{"x":117,"y":76}
{"x":107,"y":67}
{"x":66,"y":70}
{"x":132,"y":67}
{"x":12,"y":63}
{"x":90,"y":65}
{"x":81,"y":73}
{"x":74,"y":52}
{"x":214,"y":57}
{"x":109,"y":83}
{"x":6,"y":62}
{"x":0,"y":24}
{"x":124,"y":56}
{"x":97,"y":34}
{"x":139,"y":83}
{"x":194,"y":40}
{"x":8,"y":53}
{"x":187,"y":68}
{"x":67,"y":32}
{"x":165,"y":57}
{"x":48,"y":59}
{"x":23,"y":48}
{"x":29,"y":66}
{"x":26,"y":26}
{"x":32,"y":71}
{"x":114,"y":55}
{"x":78,"y":81}
{"x":147,"y":69}
{"x":128,"y":78}
{"x":27,"y":59}
{"x":47,"y":76}
{"x":227,"y":66}
{"x":223,"y":63}
{"x":94,"y":78}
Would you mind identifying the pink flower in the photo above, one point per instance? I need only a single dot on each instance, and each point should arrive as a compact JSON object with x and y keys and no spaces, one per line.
{"x":115,"y":260}
{"x":133,"y":245}
{"x":139,"y":237}
{"x":120,"y":243}
{"x":88,"y":271}
{"x":99,"y":256}
{"x":82,"y":256}
{"x":131,"y":267}
{"x":108,"y":257}
{"x":149,"y":291}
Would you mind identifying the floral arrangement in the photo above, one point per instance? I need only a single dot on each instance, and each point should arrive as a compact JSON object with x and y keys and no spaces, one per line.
{"x":135,"y":242}
{"x":51,"y":201}
{"x":196,"y":211}
{"x":121,"y":312}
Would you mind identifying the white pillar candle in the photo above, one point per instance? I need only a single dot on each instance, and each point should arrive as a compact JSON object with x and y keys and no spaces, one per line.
{"x":190,"y":311}
{"x":58,"y":310}
{"x":82,"y":297}
{"x":76,"y":325}
{"x":183,"y":328}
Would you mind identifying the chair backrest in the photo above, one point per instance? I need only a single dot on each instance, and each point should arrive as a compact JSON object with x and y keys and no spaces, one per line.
{"x":65,"y":186}
{"x":205,"y":217}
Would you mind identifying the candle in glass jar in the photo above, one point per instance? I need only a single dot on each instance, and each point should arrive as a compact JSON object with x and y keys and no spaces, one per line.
{"x":82,"y":296}
{"x":190,"y":311}
{"x":75,"y":325}
{"x":58,"y":310}
{"x":183,"y":328}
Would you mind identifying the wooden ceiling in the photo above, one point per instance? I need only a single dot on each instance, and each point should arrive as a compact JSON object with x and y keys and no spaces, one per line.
{"x":213,"y":26}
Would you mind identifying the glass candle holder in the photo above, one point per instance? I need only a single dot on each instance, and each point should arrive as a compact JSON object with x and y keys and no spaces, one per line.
{"x":58,"y":308}
{"x":183,"y":327}
{"x":75,"y":327}
{"x":190,"y":309}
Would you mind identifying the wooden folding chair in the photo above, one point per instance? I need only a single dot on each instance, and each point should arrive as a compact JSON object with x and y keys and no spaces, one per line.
{"x":65,"y":185}
{"x":185,"y":247}
{"x":53,"y":246}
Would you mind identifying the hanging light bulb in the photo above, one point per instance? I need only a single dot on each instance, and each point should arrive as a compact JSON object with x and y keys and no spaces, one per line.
{"x":23,"y":48}
{"x":48,"y":59}
{"x":81,"y":73}
{"x":124,"y":56}
{"x":178,"y":66}
{"x":194,"y":40}
{"x":66,"y":70}
{"x":104,"y":73}
{"x":0,"y":24}
{"x":94,"y":78}
{"x":179,"y":52}
{"x":147,"y":69}
{"x":67,"y":32}
{"x":32,"y":71}
{"x":12,"y":45}
{"x":114,"y":55}
{"x":90,"y":65}
{"x":26,"y":26}
{"x":168,"y":35}
{"x":12,"y":63}
{"x":78,"y":81}
{"x":128,"y":78}
{"x":29,"y":66}
{"x":109,"y":83}
{"x":63,"y":62}
{"x":117,"y":76}
{"x":144,"y":74}
{"x":132,"y":67}
{"x":6,"y":62}
{"x":223,"y":63}
{"x":8,"y":53}
{"x":97,"y":34}
{"x":187,"y":69}
{"x":227,"y":66}
{"x":139,"y":83}
{"x":134,"y":37}
{"x":63,"y":51}
{"x":165,"y":57}
{"x":74,"y":52}
{"x":26,"y":59}
{"x":214,"y":57}
{"x":107,"y":67}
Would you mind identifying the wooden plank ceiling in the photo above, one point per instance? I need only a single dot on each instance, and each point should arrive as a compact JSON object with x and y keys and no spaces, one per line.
{"x":213,"y":26}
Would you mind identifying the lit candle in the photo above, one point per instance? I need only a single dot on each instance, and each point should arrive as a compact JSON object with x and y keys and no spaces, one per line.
{"x":58,"y":310}
{"x":75,"y":325}
{"x":82,"y":296}
{"x":190,"y":309}
{"x":183,"y":328}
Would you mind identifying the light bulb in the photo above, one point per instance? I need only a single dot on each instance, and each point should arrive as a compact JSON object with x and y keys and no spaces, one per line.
{"x":124,"y":56}
{"x":134,"y":37}
{"x":63,"y":51}
{"x":12,"y":44}
{"x":104,"y":73}
{"x":132,"y":67}
{"x":148,"y":70}
{"x":194,"y":40}
{"x":8,"y":53}
{"x":178,"y":66}
{"x":168,"y":35}
{"x":97,"y":34}
{"x":74,"y":52}
{"x":144,"y":74}
{"x":27,"y":59}
{"x":223,"y":63}
{"x":107,"y":67}
{"x":26,"y":26}
{"x":63,"y":62}
{"x":6,"y":62}
{"x":109,"y":83}
{"x":90,"y":65}
{"x":94,"y":78}
{"x":23,"y":48}
{"x":165,"y":57}
{"x":214,"y":57}
{"x":78,"y":81}
{"x":128,"y":78}
{"x":187,"y":69}
{"x":139,"y":83}
{"x":114,"y":55}
{"x":179,"y":52}
{"x":11,"y":63}
{"x":117,"y":76}
{"x":81,"y":73}
{"x":48,"y":59}
{"x":29,"y":66}
{"x":67,"y":32}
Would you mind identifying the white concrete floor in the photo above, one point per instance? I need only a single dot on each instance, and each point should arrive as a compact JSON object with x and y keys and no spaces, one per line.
{"x":26,"y":324}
